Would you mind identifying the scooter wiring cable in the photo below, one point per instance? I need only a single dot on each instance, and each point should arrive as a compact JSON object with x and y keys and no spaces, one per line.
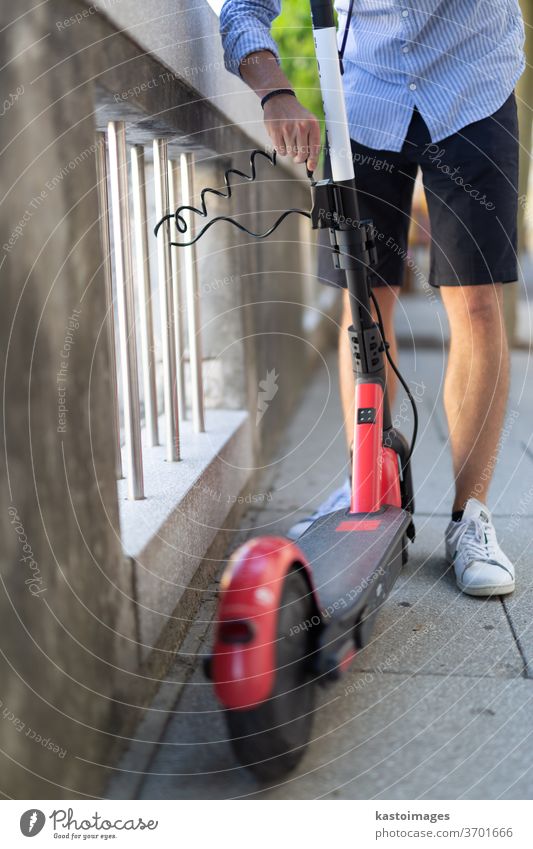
{"x":346,"y":32}
{"x":398,"y":374}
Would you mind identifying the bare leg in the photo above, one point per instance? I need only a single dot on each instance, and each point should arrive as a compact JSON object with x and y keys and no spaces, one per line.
{"x":476,"y":385}
{"x":386,"y":298}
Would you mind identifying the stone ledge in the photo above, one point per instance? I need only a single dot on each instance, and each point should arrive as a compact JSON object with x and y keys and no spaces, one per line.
{"x":163,"y":534}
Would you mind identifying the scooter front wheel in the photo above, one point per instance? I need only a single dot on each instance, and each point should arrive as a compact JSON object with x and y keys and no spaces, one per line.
{"x":270,"y":739}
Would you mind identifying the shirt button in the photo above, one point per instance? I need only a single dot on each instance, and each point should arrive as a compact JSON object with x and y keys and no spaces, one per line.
{"x":413,"y":86}
{"x":405,"y":13}
{"x":406,"y":49}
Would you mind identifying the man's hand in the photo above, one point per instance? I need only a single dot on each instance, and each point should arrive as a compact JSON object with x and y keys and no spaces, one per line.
{"x":294,"y":131}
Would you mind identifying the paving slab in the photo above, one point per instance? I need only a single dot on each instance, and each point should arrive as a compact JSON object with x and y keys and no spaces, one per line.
{"x":410,"y":737}
{"x":519,"y":606}
{"x":390,"y":736}
{"x":426,"y":626}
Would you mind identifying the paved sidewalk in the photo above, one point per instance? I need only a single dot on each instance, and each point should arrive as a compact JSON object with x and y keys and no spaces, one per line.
{"x":440,"y":705}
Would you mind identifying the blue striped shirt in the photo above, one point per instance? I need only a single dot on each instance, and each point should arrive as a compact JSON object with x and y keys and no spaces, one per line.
{"x":457,"y":61}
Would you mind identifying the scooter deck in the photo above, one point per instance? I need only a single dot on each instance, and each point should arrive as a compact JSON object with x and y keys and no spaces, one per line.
{"x":355,"y":560}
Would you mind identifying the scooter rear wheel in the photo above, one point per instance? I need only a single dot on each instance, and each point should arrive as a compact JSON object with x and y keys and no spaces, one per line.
{"x":271,"y":738}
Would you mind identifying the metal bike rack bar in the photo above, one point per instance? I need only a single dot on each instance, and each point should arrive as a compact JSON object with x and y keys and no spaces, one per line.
{"x":173,"y":181}
{"x":118,"y":169}
{"x":105,"y":235}
{"x":193,"y":299}
{"x":166,"y":300}
{"x":144,"y":293}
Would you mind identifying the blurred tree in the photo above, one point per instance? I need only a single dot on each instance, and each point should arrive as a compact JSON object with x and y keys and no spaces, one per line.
{"x":294,"y":36}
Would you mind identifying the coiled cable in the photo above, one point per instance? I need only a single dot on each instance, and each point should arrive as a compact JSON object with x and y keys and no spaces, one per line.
{"x":182,"y":223}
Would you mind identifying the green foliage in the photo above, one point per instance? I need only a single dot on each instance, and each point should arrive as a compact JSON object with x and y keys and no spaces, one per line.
{"x":294,"y":35}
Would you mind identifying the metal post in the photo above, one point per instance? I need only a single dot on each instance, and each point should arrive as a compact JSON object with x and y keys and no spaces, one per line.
{"x":118,"y":168}
{"x":173,"y":178}
{"x":166,"y":300}
{"x":103,"y":202}
{"x":140,"y":217}
{"x":193,"y":299}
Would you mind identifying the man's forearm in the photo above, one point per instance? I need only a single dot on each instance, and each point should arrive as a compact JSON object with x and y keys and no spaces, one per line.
{"x":262,"y":73}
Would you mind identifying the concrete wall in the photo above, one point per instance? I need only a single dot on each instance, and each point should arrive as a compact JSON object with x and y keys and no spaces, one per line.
{"x":65,"y":611}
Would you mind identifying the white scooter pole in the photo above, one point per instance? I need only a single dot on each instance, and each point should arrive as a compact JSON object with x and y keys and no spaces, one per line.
{"x":327,"y":54}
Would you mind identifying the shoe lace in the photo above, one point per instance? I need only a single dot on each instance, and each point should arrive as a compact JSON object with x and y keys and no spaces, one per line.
{"x":479,"y":540}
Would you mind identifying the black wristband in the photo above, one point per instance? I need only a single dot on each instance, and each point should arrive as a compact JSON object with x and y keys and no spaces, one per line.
{"x":275,"y":93}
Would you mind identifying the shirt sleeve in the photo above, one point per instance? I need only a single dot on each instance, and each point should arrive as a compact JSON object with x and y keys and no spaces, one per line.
{"x":245,"y":28}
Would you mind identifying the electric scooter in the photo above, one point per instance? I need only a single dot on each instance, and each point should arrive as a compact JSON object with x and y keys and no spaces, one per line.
{"x":293,"y":615}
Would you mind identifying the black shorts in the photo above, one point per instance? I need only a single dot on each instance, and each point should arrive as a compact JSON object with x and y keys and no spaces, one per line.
{"x":471,"y":187}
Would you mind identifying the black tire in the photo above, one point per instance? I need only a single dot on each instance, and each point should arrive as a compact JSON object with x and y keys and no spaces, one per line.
{"x":270,"y":740}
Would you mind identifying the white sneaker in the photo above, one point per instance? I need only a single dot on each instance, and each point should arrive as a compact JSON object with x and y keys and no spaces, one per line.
{"x":481,"y":568}
{"x":338,"y":500}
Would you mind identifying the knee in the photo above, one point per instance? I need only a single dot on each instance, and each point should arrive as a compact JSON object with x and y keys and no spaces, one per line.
{"x":480,"y":307}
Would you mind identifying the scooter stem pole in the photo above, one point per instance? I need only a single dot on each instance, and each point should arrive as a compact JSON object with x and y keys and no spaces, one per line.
{"x":365,"y":497}
{"x":339,"y":145}
{"x":327,"y":54}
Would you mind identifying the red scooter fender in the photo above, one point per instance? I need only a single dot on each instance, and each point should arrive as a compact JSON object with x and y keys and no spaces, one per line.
{"x":243,"y":664}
